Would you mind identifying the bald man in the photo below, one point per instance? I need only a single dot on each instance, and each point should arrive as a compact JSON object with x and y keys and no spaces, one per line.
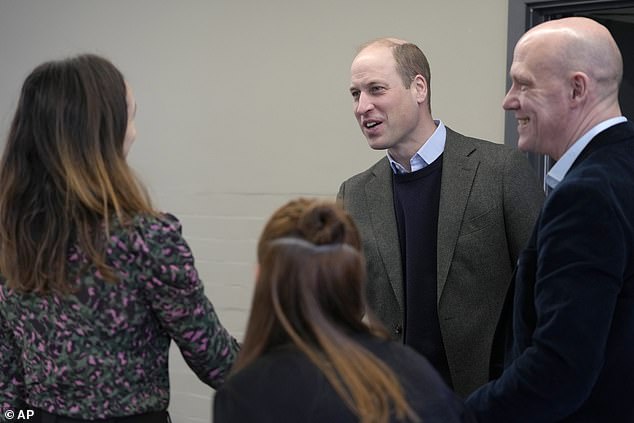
{"x":443,"y":216}
{"x":570,"y":355}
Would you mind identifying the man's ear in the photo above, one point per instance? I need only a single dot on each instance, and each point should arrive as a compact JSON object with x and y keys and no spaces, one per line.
{"x":421,"y":87}
{"x":578,"y":87}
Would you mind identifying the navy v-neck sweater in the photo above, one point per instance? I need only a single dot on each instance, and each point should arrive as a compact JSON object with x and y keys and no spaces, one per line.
{"x":416,"y":200}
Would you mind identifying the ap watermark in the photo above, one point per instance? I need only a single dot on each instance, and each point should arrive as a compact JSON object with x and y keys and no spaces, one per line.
{"x":19,"y":414}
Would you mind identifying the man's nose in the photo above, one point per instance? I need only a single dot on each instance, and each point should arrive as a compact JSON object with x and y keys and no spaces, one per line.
{"x":364,"y":104}
{"x":510,"y":101}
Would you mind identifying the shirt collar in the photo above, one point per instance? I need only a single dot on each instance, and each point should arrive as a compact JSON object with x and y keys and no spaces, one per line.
{"x":563,"y":165}
{"x":427,"y":154}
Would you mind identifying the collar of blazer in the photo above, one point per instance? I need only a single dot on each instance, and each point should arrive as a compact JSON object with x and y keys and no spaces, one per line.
{"x":458,"y":173}
{"x":612,"y":135}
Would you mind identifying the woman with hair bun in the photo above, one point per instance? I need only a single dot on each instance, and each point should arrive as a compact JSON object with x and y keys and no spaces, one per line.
{"x":312,"y":352}
{"x":94,"y":283}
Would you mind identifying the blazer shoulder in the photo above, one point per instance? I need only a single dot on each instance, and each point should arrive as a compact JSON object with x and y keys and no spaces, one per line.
{"x":487,"y":151}
{"x":380,"y":167}
{"x":282,"y":385}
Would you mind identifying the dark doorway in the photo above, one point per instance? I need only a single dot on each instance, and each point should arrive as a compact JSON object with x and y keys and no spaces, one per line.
{"x":617,"y":16}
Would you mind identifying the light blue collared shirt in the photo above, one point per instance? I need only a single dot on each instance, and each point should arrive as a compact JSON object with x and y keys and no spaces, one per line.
{"x":563,"y":165}
{"x":427,"y":154}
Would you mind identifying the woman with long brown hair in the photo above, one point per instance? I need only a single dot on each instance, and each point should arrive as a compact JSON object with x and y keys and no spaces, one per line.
{"x":94,"y":282}
{"x":312,"y":352}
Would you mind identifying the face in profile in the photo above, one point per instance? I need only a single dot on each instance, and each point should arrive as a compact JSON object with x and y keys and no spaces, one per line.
{"x":130,"y":133}
{"x":538,"y":98}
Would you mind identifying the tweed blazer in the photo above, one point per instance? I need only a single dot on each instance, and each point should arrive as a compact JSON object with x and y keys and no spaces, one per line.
{"x":489,"y":201}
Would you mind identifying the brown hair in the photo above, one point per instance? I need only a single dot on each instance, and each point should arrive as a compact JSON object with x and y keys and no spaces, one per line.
{"x":63,"y":173}
{"x":317,"y":221}
{"x":312,"y":294}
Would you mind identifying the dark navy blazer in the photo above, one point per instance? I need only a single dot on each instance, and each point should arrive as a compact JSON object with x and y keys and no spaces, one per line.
{"x":571,"y":355}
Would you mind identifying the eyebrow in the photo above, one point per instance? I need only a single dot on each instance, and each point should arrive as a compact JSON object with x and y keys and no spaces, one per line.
{"x":368,"y":84}
{"x":520,"y":78}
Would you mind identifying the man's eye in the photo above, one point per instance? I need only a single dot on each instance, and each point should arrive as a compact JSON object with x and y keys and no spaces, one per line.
{"x":355,"y":94}
{"x":376,"y":90}
{"x":522,"y":85}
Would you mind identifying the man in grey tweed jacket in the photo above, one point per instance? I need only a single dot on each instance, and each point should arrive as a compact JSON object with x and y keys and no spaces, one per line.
{"x":489,"y":199}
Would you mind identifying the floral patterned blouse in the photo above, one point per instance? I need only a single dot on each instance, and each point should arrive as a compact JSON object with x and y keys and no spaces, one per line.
{"x":103,"y":351}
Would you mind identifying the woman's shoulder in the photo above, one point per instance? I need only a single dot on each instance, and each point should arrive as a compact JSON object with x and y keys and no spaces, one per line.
{"x":281,"y":364}
{"x":141,"y":228}
{"x":284,"y":369}
{"x":281,"y":385}
{"x":150,"y":235}
{"x":159,"y":222}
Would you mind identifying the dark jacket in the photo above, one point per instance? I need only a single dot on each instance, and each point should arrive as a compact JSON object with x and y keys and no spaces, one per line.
{"x":572,"y":351}
{"x":285,"y":386}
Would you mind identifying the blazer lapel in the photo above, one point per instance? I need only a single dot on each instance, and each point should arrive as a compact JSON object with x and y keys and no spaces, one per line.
{"x":381,"y":208}
{"x":458,"y":173}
